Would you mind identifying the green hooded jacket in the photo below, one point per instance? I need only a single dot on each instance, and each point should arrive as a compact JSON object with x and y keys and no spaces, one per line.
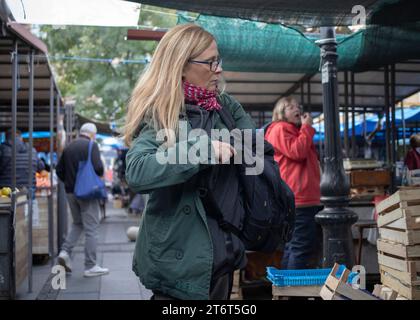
{"x":174,"y":252}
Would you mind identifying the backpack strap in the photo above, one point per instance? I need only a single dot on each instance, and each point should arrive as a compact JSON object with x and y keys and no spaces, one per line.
{"x":227,"y":118}
{"x":90,"y":150}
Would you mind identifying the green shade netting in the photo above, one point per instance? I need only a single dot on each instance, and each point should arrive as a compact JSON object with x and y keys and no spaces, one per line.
{"x":250,"y":46}
{"x":301,"y":12}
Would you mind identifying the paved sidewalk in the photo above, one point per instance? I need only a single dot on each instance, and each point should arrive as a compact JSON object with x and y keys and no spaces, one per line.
{"x":115,"y":252}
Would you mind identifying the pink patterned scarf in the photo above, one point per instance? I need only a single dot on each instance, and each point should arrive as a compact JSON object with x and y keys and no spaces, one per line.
{"x":203,"y":97}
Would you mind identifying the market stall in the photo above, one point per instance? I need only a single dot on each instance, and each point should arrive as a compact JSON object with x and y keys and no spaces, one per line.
{"x":29,"y":101}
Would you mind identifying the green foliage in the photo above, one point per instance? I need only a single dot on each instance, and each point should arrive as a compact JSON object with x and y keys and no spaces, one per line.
{"x":101,"y":89}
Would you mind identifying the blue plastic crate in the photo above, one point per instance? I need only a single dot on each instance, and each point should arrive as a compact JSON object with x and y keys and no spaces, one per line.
{"x":304,"y":277}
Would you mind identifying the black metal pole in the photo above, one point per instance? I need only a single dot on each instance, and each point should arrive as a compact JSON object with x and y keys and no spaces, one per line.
{"x":346,"y":114}
{"x":302,"y":94}
{"x":404,"y":128}
{"x":61,"y":197}
{"x":394,"y":141}
{"x":50,"y":196}
{"x":31,"y":143}
{"x":335,"y":218}
{"x":309,"y":96}
{"x":12,"y":265}
{"x":353,"y":115}
{"x":387,"y":129}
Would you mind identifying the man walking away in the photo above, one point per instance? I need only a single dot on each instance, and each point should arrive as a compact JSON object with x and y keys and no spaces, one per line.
{"x":85,"y":213}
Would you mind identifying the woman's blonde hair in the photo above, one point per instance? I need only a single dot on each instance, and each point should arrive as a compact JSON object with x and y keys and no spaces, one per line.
{"x":279,"y":111}
{"x":158,"y":95}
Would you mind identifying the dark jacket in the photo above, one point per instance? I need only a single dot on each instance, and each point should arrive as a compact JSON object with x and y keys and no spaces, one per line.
{"x":174,"y":250}
{"x":68,"y":164}
{"x":412,"y":160}
{"x":22,"y":164}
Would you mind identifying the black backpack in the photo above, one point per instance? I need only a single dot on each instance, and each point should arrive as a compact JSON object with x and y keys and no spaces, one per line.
{"x":268,"y":201}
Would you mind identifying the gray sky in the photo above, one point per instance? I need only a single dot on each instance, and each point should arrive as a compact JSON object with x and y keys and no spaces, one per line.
{"x":115,"y":13}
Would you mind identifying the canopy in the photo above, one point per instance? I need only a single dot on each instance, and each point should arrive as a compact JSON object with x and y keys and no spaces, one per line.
{"x":250,"y":46}
{"x":302,"y":12}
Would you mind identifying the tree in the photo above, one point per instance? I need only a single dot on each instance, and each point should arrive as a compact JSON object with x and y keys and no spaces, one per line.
{"x":101,"y":89}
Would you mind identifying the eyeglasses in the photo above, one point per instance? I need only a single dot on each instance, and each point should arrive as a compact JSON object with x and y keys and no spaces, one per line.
{"x":213,"y":64}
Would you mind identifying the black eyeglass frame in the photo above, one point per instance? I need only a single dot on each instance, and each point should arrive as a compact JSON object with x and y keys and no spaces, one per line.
{"x":213,"y":65}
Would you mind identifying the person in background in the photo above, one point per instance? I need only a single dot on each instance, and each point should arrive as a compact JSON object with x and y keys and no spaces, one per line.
{"x":85,"y":213}
{"x":291,"y":134}
{"x":22,"y":163}
{"x":412,"y":159}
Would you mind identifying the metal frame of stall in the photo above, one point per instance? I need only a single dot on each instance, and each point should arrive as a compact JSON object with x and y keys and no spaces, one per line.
{"x":19,"y":35}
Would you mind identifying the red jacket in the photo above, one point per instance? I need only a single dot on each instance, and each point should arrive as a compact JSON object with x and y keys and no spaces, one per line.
{"x":298,"y":160}
{"x":412,"y":160}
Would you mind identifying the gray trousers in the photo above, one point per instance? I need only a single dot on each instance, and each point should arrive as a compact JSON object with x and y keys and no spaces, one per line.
{"x":85,"y":215}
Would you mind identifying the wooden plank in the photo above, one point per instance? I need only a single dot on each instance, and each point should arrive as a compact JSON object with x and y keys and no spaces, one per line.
{"x":410,"y":277}
{"x":398,"y":224}
{"x":298,"y":291}
{"x":409,"y":237}
{"x":392,"y":262}
{"x":393,"y":235}
{"x":384,"y":219}
{"x":327,"y":294}
{"x":365,"y":178}
{"x":339,"y":286}
{"x":412,"y":211}
{"x":411,"y":293}
{"x":393,"y":248}
{"x":397,"y":249}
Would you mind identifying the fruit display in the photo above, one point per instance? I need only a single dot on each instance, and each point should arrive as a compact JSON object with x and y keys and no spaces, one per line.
{"x":5,"y":192}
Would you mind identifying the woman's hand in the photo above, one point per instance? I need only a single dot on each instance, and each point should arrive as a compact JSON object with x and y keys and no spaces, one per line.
{"x":223,"y":151}
{"x":307,"y":119}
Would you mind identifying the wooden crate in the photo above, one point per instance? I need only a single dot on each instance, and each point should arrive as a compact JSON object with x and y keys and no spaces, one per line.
{"x":338,"y":289}
{"x":404,"y":217}
{"x":370,"y":178}
{"x":386,"y":293}
{"x":40,"y":231}
{"x":403,"y":199}
{"x":398,"y":217}
{"x":411,"y":292}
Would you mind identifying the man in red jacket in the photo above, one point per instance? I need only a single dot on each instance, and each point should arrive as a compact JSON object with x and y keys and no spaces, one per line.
{"x":291,"y":135}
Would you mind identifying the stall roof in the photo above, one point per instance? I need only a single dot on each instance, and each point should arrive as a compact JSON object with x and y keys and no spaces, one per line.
{"x":302,"y":12}
{"x":260,"y":91}
{"x":43,"y":74}
{"x":264,"y":62}
{"x":267,"y":61}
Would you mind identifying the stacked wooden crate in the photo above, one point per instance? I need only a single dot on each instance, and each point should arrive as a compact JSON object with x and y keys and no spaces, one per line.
{"x":399,"y":242}
{"x":40,"y":230}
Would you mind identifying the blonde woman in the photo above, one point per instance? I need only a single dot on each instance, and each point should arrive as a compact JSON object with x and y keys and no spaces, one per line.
{"x":181,"y":251}
{"x":291,"y":135}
